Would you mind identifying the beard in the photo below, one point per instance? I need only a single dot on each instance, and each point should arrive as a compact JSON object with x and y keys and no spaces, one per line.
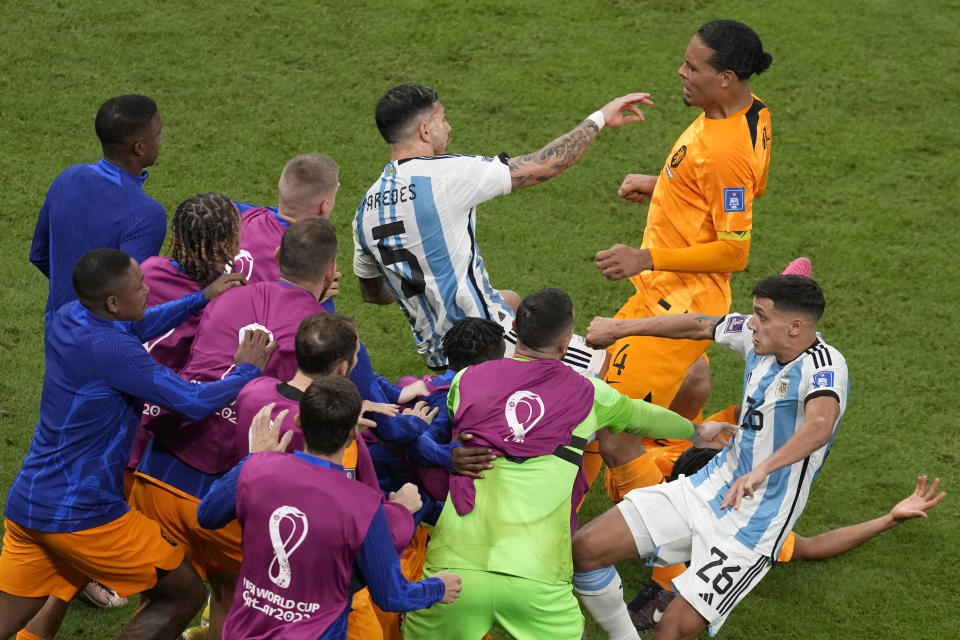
{"x":686,"y":102}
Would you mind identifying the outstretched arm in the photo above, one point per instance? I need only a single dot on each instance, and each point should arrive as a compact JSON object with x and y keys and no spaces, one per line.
{"x":833,"y":543}
{"x":603,"y":332}
{"x":557,"y":156}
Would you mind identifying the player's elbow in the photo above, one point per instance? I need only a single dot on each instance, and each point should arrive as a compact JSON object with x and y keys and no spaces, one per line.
{"x":374,"y":291}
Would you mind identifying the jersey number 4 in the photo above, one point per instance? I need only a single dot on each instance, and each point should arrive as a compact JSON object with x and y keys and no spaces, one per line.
{"x":413,"y":284}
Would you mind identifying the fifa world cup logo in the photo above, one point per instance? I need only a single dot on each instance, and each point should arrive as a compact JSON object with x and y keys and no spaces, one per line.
{"x":294,"y":523}
{"x":523,"y":411}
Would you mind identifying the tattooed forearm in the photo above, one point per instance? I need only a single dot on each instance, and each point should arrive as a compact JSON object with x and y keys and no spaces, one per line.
{"x":553,"y":159}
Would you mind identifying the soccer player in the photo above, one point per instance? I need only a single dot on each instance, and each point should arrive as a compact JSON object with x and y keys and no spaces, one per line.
{"x":205,"y":234}
{"x":91,"y":206}
{"x":183,"y":460}
{"x":697,"y":232}
{"x":66,"y":517}
{"x":327,"y":344}
{"x":509,"y":533}
{"x":307,"y":189}
{"x":653,"y":600}
{"x":795,"y":392}
{"x":414,"y":232}
{"x":307,"y":529}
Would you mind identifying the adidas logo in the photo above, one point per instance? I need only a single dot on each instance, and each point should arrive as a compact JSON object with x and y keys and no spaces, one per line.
{"x":707,"y":597}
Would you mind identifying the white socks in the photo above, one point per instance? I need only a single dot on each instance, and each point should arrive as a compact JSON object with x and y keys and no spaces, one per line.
{"x":601,"y":593}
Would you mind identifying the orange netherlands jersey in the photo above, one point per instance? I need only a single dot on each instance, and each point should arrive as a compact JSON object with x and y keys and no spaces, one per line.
{"x":707,"y":186}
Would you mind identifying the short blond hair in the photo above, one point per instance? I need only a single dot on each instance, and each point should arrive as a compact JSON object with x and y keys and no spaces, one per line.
{"x":305,"y":178}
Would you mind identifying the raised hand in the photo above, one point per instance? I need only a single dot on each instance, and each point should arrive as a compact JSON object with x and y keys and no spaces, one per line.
{"x":602,"y":332}
{"x":624,"y":109}
{"x":423,"y":411}
{"x":408,"y":496}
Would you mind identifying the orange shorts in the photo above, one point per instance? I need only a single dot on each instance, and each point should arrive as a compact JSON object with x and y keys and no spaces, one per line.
{"x":363,"y":623}
{"x":176,"y":511}
{"x":123,"y":554}
{"x":639,"y":472}
{"x":650,"y":368}
{"x":786,"y":551}
{"x":411,"y":564}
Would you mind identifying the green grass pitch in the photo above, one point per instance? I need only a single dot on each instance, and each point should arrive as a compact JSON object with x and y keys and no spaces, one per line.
{"x":864,"y":181}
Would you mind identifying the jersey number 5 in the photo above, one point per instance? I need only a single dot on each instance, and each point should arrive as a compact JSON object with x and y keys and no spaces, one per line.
{"x":412,"y":284}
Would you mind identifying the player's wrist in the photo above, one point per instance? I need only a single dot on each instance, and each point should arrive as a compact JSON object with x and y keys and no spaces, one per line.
{"x":597,"y":118}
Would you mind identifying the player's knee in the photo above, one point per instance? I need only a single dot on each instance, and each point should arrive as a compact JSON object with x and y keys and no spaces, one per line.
{"x":586,"y":552}
{"x":618,"y":449}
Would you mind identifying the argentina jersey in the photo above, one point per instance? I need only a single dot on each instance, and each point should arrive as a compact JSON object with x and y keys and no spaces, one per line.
{"x":415,"y":229}
{"x":772,"y":409}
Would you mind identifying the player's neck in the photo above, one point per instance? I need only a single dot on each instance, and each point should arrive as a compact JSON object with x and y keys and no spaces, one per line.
{"x":335,"y":458}
{"x":737,"y":101}
{"x":300,"y":381}
{"x":128,"y":164}
{"x":410,"y":149}
{"x":315,"y":288}
{"x":795,"y":349}
{"x":529,"y":353}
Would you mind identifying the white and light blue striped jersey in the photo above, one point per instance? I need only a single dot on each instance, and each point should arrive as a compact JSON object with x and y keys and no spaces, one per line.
{"x":774,"y":398}
{"x":416,"y":228}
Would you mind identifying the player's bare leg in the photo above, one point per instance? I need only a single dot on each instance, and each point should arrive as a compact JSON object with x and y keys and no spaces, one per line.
{"x":222,"y":585}
{"x":16,"y":611}
{"x":694,"y":391}
{"x":48,"y":620}
{"x":171,"y":603}
{"x":596,"y":547}
{"x":680,"y":621}
{"x":512,"y":298}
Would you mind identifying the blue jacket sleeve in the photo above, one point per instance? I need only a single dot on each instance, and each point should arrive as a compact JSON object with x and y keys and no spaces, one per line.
{"x":126,"y":366}
{"x":219,"y":505}
{"x":399,"y":429}
{"x":144,"y":237}
{"x":426,"y":452}
{"x":389,"y":589}
{"x":40,"y":247}
{"x":162,"y":318}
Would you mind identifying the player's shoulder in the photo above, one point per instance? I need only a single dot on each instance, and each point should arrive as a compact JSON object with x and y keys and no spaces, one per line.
{"x":820,"y":354}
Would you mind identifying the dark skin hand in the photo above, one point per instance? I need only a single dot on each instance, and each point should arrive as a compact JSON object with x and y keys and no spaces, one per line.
{"x":470,"y":461}
{"x":221,"y":284}
{"x":256,"y":349}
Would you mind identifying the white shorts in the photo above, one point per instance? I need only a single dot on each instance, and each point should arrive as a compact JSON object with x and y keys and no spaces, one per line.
{"x":670,"y":525}
{"x":587,"y":361}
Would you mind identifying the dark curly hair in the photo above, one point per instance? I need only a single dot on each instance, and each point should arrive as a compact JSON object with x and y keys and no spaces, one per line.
{"x":206,"y":234}
{"x":472,"y":341}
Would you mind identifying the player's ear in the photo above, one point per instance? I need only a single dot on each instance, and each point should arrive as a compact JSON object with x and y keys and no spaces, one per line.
{"x":112,"y":304}
{"x":796,"y":326}
{"x":341,"y":369}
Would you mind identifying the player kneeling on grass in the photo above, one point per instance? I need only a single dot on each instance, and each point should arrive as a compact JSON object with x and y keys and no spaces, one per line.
{"x":66,"y":515}
{"x":308,"y":530}
{"x":795,"y":392}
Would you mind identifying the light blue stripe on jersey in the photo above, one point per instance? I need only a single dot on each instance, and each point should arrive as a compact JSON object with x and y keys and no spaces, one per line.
{"x":435,"y":249}
{"x":745,"y":462}
{"x":778,"y":482}
{"x":362,"y":239}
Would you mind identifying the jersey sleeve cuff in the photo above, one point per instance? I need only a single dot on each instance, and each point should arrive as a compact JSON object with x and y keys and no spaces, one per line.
{"x":820,"y":393}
